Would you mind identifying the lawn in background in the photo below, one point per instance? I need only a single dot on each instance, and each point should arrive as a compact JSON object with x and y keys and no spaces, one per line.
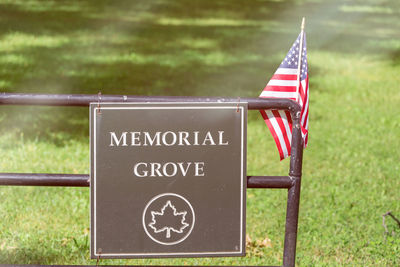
{"x":209,"y":48}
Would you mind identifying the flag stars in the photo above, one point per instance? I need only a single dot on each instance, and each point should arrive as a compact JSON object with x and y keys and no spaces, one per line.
{"x":295,"y":57}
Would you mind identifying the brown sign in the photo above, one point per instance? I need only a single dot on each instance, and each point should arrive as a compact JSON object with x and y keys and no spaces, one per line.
{"x":168,"y":179}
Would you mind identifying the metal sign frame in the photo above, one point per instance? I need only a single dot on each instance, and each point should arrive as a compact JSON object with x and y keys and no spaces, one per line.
{"x":219,"y":218}
{"x":292,"y":182}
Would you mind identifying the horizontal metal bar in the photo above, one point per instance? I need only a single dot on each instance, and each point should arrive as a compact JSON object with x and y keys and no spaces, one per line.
{"x":82,"y":180}
{"x":269,"y":182}
{"x":85,"y":100}
{"x":44,"y":179}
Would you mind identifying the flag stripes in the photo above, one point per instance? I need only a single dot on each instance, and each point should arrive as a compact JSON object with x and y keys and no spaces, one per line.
{"x":291,"y":82}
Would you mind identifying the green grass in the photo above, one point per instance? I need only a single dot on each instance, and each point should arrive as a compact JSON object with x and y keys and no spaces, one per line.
{"x":209,"y":48}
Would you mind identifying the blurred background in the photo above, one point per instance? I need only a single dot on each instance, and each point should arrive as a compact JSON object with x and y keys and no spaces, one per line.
{"x":209,"y":48}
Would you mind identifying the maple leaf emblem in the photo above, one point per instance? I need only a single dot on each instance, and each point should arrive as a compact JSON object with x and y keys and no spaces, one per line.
{"x":168,"y":219}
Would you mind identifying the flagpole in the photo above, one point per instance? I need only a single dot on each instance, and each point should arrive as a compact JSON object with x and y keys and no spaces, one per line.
{"x":300,"y":57}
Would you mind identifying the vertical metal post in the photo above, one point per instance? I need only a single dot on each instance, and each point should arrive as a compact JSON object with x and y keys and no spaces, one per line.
{"x":292,"y":210}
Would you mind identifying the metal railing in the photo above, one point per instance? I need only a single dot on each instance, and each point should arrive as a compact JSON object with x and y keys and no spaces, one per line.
{"x":291,"y":182}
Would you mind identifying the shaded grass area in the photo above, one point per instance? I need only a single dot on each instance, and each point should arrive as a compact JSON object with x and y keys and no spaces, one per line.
{"x":208,"y":48}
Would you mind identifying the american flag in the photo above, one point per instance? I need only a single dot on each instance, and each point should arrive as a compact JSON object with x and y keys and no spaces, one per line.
{"x":283,"y":84}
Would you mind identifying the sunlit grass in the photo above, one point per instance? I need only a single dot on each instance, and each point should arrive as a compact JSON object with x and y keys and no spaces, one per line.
{"x":20,"y":41}
{"x":40,"y":6}
{"x":367,"y":9}
{"x":206,"y":22}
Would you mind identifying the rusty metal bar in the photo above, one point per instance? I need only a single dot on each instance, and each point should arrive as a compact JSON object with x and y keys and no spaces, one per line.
{"x":292,"y":213}
{"x":293,"y":202}
{"x":85,"y":100}
{"x":44,"y":179}
{"x":82,"y":180}
{"x":269,"y":182}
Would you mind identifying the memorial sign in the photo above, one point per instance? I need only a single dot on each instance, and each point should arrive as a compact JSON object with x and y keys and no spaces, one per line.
{"x":168,"y":179}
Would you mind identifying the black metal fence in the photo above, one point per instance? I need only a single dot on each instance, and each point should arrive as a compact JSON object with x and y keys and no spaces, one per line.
{"x":291,"y":182}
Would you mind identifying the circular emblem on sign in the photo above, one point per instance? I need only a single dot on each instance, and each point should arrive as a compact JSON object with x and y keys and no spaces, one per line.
{"x":168,"y":218}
